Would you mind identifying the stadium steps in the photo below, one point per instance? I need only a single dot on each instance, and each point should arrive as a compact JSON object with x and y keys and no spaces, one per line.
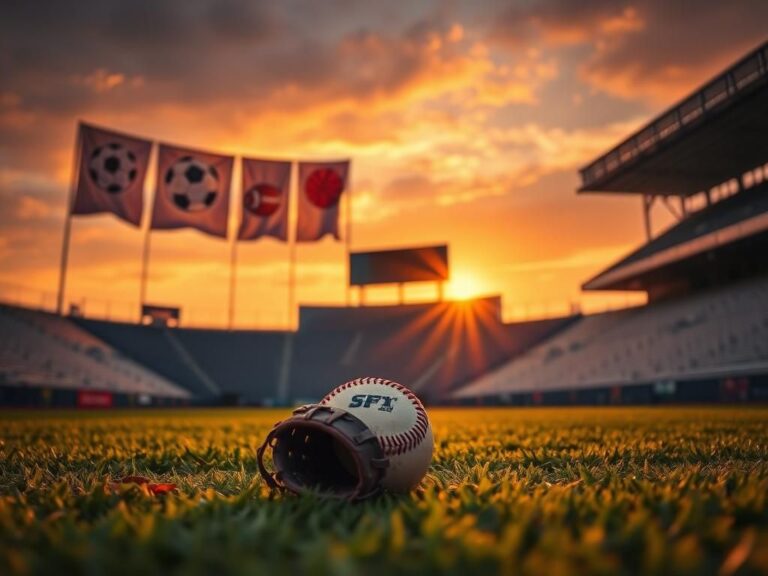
{"x":189,"y":360}
{"x":149,"y":346}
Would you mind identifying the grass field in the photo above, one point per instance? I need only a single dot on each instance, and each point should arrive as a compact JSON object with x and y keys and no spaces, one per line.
{"x":538,"y":491}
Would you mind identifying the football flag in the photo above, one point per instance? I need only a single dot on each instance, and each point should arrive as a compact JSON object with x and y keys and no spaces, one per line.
{"x":265,"y":199}
{"x":320,"y":187}
{"x":111,"y":174}
{"x":192,"y":190}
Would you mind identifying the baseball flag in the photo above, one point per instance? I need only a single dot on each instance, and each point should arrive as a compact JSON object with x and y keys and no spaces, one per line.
{"x":192,"y":190}
{"x":265,"y":199}
{"x":320,"y":187}
{"x":111,"y":176}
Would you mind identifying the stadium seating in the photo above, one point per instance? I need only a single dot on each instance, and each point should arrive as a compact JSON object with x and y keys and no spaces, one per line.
{"x":432,"y":347}
{"x":43,"y":350}
{"x":734,"y":209}
{"x":159,"y":350}
{"x":441,"y":350}
{"x":722,"y":332}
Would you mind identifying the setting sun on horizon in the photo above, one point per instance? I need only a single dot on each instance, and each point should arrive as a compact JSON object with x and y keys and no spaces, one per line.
{"x":465,"y":286}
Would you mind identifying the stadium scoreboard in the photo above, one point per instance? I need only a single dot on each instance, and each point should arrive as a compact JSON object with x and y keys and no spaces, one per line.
{"x":423,"y":264}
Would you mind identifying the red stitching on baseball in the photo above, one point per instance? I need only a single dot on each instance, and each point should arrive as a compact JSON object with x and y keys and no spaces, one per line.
{"x":393,"y":444}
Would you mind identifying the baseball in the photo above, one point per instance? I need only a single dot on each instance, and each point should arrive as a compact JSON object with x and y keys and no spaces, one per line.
{"x":398,"y":419}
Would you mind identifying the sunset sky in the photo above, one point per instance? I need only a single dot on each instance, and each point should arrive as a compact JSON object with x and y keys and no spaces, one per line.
{"x":466,"y":123}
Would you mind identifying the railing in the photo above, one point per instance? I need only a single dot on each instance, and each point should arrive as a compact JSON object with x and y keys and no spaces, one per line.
{"x":513,"y":309}
{"x":128,"y":312}
{"x":728,"y":85}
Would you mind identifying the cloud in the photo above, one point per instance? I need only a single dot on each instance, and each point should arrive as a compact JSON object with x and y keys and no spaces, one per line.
{"x":652,"y":50}
{"x":480,"y":163}
{"x":31,"y":208}
{"x":102,"y":80}
{"x":562,"y":22}
{"x":240,"y":76}
{"x":667,"y":58}
{"x":199,"y":51}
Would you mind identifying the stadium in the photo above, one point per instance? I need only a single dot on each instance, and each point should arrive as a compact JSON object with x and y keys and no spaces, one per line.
{"x":205,"y":375}
{"x":702,"y":336}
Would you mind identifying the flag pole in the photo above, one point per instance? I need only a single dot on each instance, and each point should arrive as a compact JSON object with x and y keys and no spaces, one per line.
{"x":147,"y":230}
{"x":292,"y":246}
{"x":144,"y":268}
{"x":235,"y":238}
{"x":349,"y":236}
{"x":74,"y":180}
{"x":292,"y":285}
{"x":232,"y":283}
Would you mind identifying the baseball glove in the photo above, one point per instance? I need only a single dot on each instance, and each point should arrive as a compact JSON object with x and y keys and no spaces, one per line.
{"x":324,"y":450}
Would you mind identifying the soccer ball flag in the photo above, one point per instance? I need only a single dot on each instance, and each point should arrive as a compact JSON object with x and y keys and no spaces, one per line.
{"x":192,"y":190}
{"x":265,"y":199}
{"x":111,"y":175}
{"x":321,"y":185}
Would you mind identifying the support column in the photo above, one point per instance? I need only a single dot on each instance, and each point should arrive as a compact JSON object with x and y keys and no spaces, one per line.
{"x":678,"y":214}
{"x":647,"y":204}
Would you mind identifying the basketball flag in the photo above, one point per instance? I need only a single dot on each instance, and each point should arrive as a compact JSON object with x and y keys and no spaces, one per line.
{"x":111,"y":175}
{"x":192,"y":190}
{"x":265,"y":199}
{"x":320,"y":187}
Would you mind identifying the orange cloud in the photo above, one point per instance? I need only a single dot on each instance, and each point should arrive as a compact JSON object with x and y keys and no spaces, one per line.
{"x":31,"y":208}
{"x":101,"y":80}
{"x":627,"y":21}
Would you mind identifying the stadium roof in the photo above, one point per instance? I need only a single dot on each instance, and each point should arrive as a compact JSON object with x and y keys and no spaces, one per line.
{"x":715,"y":134}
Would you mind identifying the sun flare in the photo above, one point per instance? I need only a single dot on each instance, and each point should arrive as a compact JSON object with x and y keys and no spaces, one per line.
{"x":464,"y":287}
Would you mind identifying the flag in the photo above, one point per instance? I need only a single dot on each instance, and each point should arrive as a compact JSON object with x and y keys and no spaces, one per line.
{"x":111,"y":175}
{"x":192,"y":190}
{"x":265,"y":199}
{"x":320,"y":187}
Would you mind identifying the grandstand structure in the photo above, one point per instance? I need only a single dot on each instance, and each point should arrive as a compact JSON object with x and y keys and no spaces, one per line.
{"x":709,"y":346}
{"x":703,"y":336}
{"x":436,"y":348}
{"x":48,"y":360}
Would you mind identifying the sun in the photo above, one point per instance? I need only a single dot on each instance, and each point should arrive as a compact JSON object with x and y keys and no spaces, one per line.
{"x":464,"y":287}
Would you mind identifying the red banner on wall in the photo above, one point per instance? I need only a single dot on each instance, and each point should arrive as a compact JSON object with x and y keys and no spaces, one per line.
{"x":92,"y":399}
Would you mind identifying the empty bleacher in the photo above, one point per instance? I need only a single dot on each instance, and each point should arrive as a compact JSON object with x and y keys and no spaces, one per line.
{"x":41,"y":350}
{"x":720,"y":333}
{"x":732,"y":210}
